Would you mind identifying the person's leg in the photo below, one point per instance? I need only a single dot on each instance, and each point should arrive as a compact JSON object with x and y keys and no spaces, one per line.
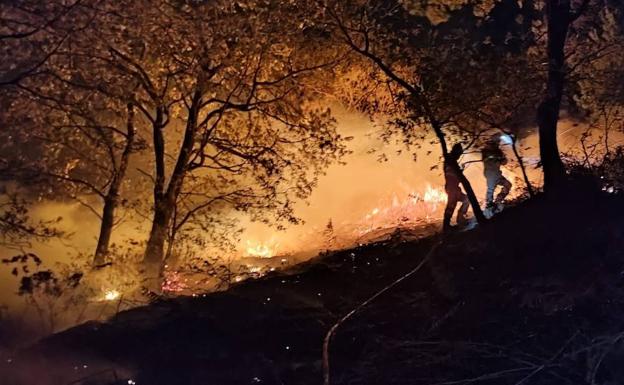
{"x":492,"y":181}
{"x":506,"y":188}
{"x":451,"y":203}
{"x":463,"y":209}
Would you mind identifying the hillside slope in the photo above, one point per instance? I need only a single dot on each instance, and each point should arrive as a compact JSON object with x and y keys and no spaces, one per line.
{"x":533,"y":297}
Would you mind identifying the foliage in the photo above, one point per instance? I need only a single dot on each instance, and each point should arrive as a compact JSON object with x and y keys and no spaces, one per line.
{"x":467,"y":75}
{"x":224,"y":102}
{"x":52,"y":294}
{"x":17,"y":229}
{"x":250,"y":134}
{"x":604,"y":170}
{"x":31,"y":32}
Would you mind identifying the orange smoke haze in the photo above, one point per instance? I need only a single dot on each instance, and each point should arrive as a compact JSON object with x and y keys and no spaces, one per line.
{"x":359,"y":197}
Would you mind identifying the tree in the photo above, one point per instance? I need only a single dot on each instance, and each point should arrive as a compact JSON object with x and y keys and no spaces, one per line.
{"x":26,"y":43}
{"x":560,"y":15}
{"x":228,"y":81}
{"x":84,"y":134}
{"x":441,"y":73}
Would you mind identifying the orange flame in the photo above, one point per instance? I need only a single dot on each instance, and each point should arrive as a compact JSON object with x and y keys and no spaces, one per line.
{"x":260,"y":250}
{"x":111,"y":295}
{"x":434,"y":195}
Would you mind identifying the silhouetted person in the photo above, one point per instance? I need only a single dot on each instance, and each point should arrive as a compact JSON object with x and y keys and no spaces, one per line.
{"x":493,"y":159}
{"x":453,"y":191}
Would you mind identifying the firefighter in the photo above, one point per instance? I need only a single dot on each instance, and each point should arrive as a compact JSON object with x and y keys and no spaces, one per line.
{"x":493,"y":159}
{"x":453,"y":191}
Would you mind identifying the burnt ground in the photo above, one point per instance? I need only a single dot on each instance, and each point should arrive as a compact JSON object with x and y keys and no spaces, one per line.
{"x":534,"y":297}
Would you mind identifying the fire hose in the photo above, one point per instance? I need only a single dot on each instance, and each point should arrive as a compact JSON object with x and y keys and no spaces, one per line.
{"x":332,"y":330}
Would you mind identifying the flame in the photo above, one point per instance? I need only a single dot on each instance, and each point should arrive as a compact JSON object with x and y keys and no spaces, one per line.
{"x":397,"y":210}
{"x":111,"y":295}
{"x":254,"y":269}
{"x":260,"y":250}
{"x":434,"y":195}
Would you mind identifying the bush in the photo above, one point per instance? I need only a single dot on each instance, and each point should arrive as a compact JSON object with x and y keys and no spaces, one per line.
{"x":605,"y":173}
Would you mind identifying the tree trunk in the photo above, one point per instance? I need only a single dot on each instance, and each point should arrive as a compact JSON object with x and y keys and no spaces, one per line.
{"x":559,"y":18}
{"x":112,"y":196}
{"x":165,"y":199}
{"x":171,"y":236}
{"x":154,"y":251}
{"x":106,"y":229}
{"x":472,"y":197}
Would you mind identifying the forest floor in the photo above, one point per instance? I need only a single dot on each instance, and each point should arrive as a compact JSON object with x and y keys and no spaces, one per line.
{"x":533,"y":297}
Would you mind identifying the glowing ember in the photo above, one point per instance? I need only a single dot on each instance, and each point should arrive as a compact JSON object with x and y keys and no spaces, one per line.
{"x":173,"y":282}
{"x":260,"y":250}
{"x":111,"y":295}
{"x":254,"y":269}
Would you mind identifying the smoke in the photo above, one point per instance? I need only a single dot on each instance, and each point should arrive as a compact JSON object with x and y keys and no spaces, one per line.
{"x":348,"y":192}
{"x":352,"y":196}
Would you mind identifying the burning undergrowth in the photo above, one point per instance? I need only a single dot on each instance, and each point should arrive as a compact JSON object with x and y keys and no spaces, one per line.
{"x":359,"y":202}
{"x":536,"y":291}
{"x":199,"y":274}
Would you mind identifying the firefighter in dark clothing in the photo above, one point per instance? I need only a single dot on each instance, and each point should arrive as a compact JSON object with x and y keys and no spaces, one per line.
{"x":453,"y":191}
{"x":493,"y":159}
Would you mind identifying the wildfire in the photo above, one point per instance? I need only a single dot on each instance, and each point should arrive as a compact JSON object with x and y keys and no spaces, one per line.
{"x":398,"y":211}
{"x":254,"y":269}
{"x":372,"y":213}
{"x":111,"y":295}
{"x":260,"y":250}
{"x":434,"y":195}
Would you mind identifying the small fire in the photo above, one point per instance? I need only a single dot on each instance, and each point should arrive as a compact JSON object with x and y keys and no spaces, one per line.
{"x":260,"y":250}
{"x":399,"y":211}
{"x":374,"y":212}
{"x":111,"y":295}
{"x":254,"y":269}
{"x":434,"y":195}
